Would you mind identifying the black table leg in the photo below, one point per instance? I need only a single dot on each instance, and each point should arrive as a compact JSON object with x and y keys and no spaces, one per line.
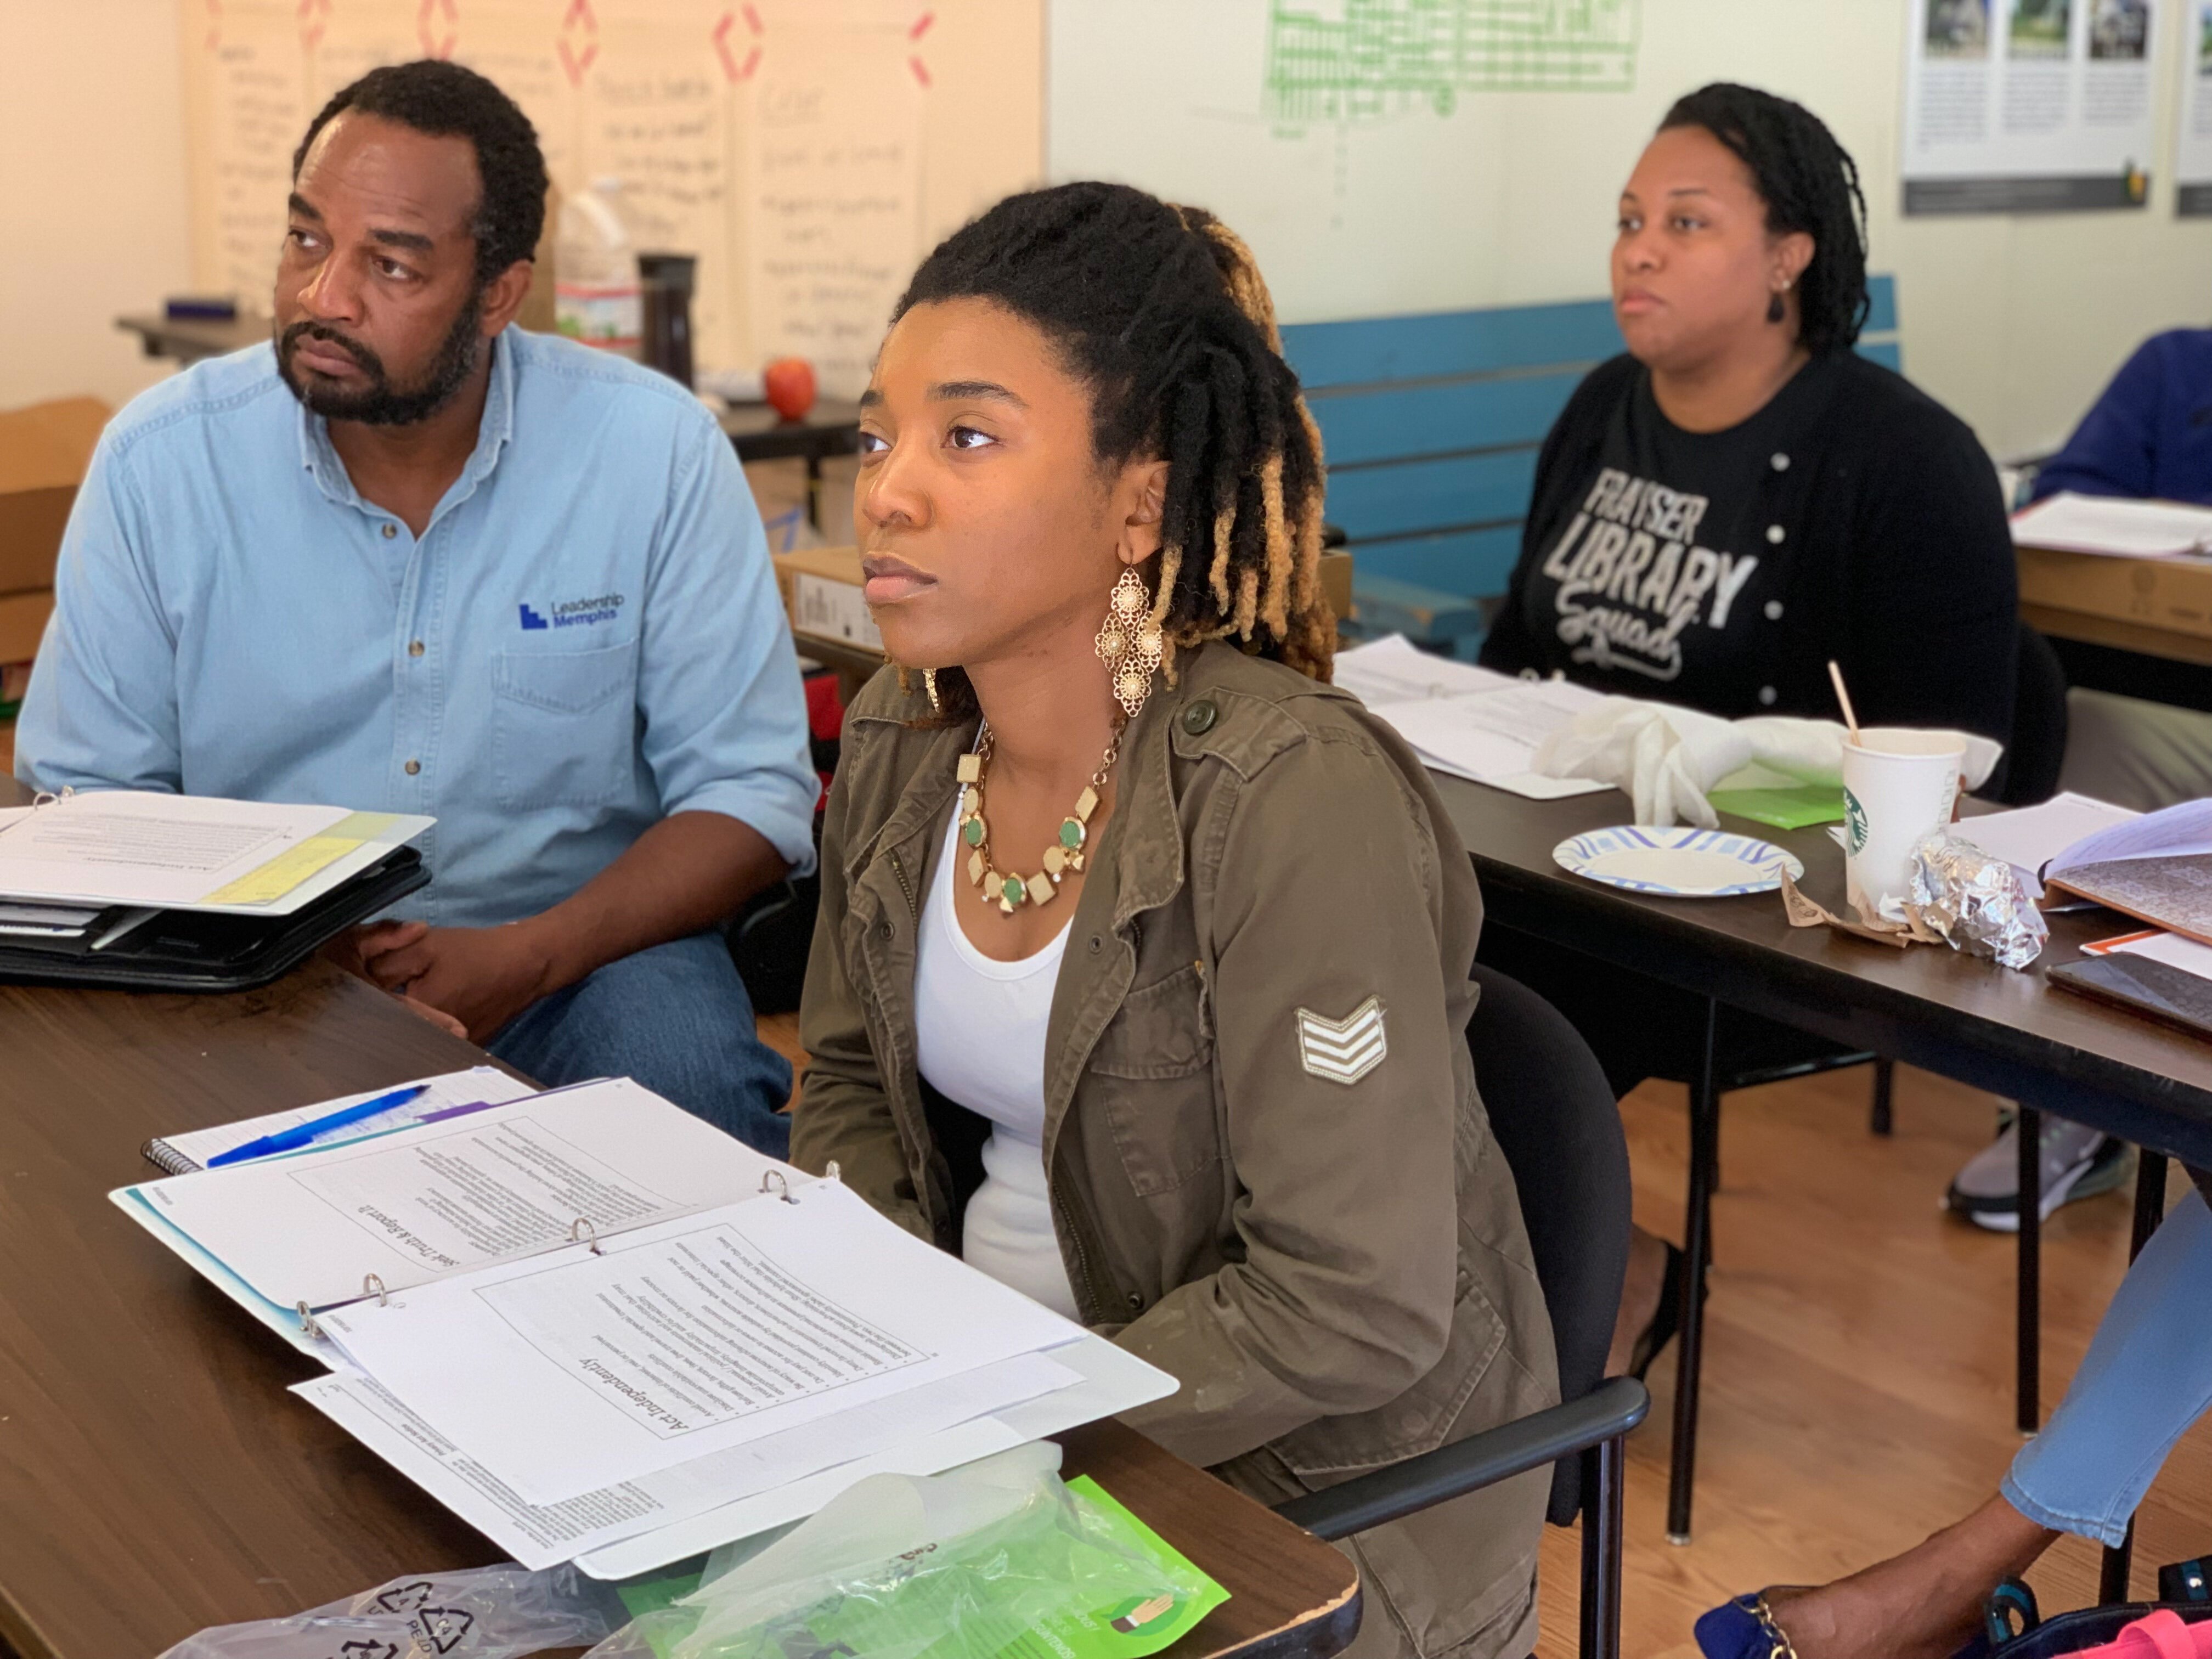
{"x":2029,"y":1123}
{"x":2150,"y":1209}
{"x":1883,"y":1119}
{"x":814,"y":488}
{"x":1696,"y":1254}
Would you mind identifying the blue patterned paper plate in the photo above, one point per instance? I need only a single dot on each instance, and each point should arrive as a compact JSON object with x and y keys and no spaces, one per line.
{"x":1685,"y":862}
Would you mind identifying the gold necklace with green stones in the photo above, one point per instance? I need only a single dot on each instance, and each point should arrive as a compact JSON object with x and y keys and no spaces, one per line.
{"x":1009,"y":892}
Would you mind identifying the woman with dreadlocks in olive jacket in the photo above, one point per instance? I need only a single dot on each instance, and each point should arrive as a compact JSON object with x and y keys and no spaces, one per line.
{"x":1141,"y":975}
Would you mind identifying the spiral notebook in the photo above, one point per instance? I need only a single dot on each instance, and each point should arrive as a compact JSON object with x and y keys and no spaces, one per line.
{"x":183,"y":1153}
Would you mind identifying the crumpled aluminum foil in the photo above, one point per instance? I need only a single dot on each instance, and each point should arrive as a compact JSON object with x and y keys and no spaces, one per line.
{"x":1976,"y":902}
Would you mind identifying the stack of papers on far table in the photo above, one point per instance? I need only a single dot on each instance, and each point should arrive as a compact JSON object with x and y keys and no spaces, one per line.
{"x":600,"y":1329}
{"x":1468,"y":721}
{"x":2115,"y":527}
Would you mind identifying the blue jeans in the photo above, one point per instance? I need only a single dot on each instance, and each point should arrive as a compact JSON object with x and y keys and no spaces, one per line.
{"x":2148,"y":1375}
{"x":675,"y":1017}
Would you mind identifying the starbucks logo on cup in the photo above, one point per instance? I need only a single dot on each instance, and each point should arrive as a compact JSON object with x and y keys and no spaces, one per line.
{"x":1855,"y":823}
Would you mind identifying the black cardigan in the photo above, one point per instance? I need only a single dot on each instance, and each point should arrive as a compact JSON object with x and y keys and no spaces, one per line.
{"x":1903,"y":571}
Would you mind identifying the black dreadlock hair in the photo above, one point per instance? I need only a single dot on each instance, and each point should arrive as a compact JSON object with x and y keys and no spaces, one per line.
{"x":1160,"y":311}
{"x":446,"y":100}
{"x":1809,"y":183}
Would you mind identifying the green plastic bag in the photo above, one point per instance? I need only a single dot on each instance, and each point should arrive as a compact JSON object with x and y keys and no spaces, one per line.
{"x":997,"y":1559}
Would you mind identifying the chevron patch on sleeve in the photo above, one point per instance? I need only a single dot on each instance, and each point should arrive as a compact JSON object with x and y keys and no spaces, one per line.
{"x":1343,"y":1050}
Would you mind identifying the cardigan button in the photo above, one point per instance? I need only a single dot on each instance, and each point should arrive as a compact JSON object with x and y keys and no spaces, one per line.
{"x":1774,"y":610}
{"x":1198,"y":719}
{"x":1779,"y":462}
{"x":1767,"y":696}
{"x":1775,"y":533}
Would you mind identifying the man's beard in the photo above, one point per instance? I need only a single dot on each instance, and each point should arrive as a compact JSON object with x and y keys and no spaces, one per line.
{"x":380,"y":402}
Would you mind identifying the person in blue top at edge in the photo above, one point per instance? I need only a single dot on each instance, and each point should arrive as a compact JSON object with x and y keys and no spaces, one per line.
{"x":409,"y":558}
{"x":2150,"y":435}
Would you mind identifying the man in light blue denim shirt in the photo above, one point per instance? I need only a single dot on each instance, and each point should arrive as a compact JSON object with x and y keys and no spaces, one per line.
{"x":412,"y":559}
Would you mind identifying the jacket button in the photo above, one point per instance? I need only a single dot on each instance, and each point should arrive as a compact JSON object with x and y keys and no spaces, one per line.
{"x":1136,"y":1301}
{"x":1097,"y":945}
{"x":1198,"y":719}
{"x":884,"y":930}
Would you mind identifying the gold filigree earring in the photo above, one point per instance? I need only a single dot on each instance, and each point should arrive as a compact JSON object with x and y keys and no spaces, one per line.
{"x":1129,"y":642}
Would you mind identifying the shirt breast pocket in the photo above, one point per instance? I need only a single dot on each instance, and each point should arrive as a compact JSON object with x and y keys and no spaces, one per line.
{"x":564,"y":725}
{"x":1152,"y":1074}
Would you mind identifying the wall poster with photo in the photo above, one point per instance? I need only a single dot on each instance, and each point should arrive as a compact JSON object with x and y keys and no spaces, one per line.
{"x":2029,"y":106}
{"x":2193,"y":121}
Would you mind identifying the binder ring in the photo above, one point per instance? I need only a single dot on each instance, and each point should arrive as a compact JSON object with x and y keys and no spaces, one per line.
{"x":781,"y":1188}
{"x":580,"y":1231}
{"x":832,"y":1173}
{"x":373,"y":1284}
{"x":307,"y":1325}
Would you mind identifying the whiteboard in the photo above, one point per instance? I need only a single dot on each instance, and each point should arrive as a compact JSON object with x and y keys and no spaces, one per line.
{"x":808,"y":152}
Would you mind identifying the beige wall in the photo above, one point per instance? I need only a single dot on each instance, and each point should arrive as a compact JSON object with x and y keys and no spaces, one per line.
{"x":2015,"y":322}
{"x":92,"y":192}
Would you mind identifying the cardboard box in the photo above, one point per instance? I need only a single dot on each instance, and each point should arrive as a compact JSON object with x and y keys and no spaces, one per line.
{"x":43,"y":452}
{"x":821,"y":589}
{"x":2174,"y":594}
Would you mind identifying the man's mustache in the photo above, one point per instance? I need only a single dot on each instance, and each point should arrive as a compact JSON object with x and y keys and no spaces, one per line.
{"x":369,"y":361}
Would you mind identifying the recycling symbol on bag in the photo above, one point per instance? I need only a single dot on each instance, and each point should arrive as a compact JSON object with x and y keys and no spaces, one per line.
{"x":443,"y":1629}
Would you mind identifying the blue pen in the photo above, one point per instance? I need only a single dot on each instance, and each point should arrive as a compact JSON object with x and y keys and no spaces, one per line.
{"x":291,"y":1140}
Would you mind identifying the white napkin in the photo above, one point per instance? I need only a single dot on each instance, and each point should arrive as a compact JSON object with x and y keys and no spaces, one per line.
{"x":1669,"y":759}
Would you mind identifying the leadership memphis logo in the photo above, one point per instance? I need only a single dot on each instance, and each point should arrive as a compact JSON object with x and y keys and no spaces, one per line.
{"x":575,"y":613}
{"x":1631,"y":578}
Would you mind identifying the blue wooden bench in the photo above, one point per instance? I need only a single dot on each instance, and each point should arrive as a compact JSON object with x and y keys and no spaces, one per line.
{"x":1431,"y":425}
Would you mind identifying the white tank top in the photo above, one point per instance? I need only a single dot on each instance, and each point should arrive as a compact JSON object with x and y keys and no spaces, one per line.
{"x":979,"y":1041}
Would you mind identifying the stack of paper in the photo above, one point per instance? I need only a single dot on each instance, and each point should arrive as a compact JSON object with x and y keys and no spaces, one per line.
{"x":2114,"y":526}
{"x":1462,"y":720}
{"x":600,"y":1329}
{"x":143,"y":848}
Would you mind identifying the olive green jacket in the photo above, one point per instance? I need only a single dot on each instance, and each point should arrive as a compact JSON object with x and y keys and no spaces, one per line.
{"x":1305,"y":1221}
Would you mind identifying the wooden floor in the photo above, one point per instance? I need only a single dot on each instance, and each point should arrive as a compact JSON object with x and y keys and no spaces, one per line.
{"x":1859,"y":1355}
{"x":1858,"y":1390}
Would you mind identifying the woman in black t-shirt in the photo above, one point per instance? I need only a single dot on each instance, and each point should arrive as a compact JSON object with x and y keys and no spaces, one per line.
{"x":1735,"y":501}
{"x":1741,"y":497}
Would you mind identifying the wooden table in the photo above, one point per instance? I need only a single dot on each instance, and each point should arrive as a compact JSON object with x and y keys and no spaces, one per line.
{"x":2105,"y":653}
{"x":154,"y":1476}
{"x":1936,"y":1008}
{"x":1961,"y":1016}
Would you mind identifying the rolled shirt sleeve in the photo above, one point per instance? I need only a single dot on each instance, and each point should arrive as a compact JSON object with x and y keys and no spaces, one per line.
{"x":722,"y":709}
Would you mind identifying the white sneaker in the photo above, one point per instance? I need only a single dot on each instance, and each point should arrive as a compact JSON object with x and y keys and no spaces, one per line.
{"x":2078,"y":1162}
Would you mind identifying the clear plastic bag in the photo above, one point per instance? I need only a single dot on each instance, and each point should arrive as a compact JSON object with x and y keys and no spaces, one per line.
{"x":482,"y":1613}
{"x":997,"y":1560}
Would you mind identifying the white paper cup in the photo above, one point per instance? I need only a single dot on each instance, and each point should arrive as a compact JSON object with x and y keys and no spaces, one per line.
{"x":1899,"y":788}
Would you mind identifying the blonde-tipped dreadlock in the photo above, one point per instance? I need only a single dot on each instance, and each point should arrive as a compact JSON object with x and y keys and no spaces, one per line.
{"x":1162,"y":311}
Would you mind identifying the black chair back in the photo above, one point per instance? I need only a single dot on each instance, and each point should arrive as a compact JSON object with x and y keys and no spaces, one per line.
{"x":2029,"y":772}
{"x":1556,"y":1120}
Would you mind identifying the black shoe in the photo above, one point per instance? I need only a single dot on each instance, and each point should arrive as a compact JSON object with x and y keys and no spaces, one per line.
{"x":1666,"y":1318}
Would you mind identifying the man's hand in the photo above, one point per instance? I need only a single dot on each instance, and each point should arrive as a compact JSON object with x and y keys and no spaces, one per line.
{"x":482,"y":977}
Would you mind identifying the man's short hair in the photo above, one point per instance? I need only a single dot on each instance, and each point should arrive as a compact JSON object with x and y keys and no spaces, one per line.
{"x":446,"y":100}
